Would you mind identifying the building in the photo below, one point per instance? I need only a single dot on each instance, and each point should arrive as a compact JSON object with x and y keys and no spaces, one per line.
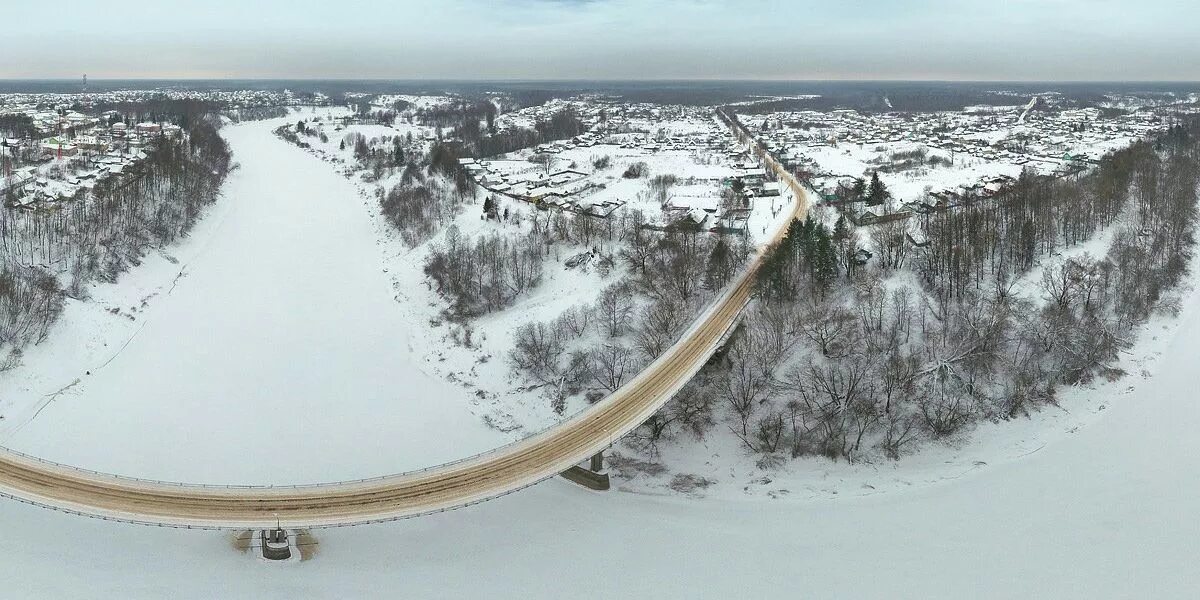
{"x":11,"y":146}
{"x":59,"y":148}
{"x":90,"y":143}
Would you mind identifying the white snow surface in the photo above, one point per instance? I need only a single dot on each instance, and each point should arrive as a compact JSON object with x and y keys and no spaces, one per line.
{"x":283,"y":333}
{"x":278,"y":355}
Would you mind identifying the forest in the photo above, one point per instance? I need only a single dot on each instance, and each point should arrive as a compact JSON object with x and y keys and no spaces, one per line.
{"x":50,"y":255}
{"x":475,"y":127}
{"x":849,"y":359}
{"x":860,"y":343}
{"x":661,"y":280}
{"x":985,"y":323}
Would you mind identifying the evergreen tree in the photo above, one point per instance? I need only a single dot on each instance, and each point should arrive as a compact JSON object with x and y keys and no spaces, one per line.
{"x":841,"y":231}
{"x":796,"y":238}
{"x":720,"y":266}
{"x":772,"y":277}
{"x":877,"y":193}
{"x":823,"y":263}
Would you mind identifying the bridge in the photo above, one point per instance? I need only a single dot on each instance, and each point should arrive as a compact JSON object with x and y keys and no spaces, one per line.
{"x":435,"y":489}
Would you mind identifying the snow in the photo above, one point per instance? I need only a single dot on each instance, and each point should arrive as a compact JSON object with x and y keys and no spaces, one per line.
{"x":418,"y":102}
{"x":855,"y":160}
{"x":1029,"y":284}
{"x":284,"y":322}
{"x":1103,"y":510}
{"x":280,"y":327}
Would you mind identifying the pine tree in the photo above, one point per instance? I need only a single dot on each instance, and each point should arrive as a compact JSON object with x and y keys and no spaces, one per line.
{"x":824,"y":267}
{"x":859,"y":190}
{"x":797,"y":234}
{"x":841,"y":231}
{"x":771,"y":279}
{"x":878,"y":192}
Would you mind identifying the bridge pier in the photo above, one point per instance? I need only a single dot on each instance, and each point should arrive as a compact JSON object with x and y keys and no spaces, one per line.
{"x":275,"y":544}
{"x":593,"y":478}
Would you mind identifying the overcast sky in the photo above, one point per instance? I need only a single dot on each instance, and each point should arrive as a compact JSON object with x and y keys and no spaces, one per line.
{"x":603,"y":39}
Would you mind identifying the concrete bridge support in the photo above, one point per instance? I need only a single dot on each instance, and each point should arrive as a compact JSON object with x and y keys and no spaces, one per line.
{"x":275,"y":544}
{"x":593,"y":478}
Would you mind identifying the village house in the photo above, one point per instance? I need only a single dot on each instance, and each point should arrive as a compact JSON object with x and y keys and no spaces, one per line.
{"x":59,"y":148}
{"x":90,"y":143}
{"x":11,"y":146}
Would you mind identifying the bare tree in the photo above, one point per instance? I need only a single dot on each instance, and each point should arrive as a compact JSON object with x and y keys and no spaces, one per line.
{"x":658,"y":326}
{"x":891,"y":244}
{"x":542,"y":159}
{"x":576,"y":320}
{"x":615,"y":309}
{"x":840,"y":400}
{"x":611,"y":364}
{"x":750,"y":380}
{"x":1061,"y":281}
{"x":832,"y":328}
{"x":691,"y":410}
{"x":537,"y":349}
{"x":900,"y":431}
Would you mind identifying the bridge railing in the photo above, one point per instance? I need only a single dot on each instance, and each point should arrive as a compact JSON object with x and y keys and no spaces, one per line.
{"x":235,"y":486}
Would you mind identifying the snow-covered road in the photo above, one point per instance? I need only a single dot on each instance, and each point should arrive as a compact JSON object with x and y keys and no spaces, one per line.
{"x":280,"y":355}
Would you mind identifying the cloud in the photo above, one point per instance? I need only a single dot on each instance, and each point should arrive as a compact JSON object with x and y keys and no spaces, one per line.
{"x":626,"y":39}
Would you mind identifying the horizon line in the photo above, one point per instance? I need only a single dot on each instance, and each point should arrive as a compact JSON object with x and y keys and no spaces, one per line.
{"x":597,"y":80}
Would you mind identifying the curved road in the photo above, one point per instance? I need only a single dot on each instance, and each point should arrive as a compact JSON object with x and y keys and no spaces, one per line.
{"x":444,"y":487}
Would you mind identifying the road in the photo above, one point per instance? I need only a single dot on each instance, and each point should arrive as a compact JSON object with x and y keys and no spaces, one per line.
{"x":453,"y":485}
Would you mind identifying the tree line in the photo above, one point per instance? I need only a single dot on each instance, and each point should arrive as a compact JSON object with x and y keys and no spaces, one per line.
{"x":874,"y":358}
{"x":841,"y":359}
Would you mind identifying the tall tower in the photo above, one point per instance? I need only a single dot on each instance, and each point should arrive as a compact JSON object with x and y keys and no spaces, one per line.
{"x":85,"y":82}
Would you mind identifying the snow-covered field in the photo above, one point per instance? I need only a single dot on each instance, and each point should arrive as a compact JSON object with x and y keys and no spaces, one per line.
{"x":853,"y":160}
{"x":270,"y":347}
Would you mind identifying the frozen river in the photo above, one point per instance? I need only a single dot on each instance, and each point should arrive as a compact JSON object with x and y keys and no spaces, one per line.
{"x":279,"y":356}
